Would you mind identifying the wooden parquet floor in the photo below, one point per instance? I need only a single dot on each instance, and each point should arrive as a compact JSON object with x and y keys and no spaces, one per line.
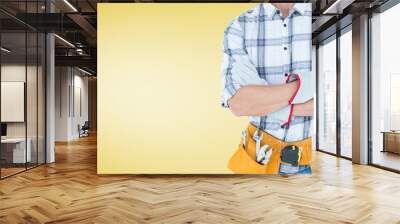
{"x":69,"y":191}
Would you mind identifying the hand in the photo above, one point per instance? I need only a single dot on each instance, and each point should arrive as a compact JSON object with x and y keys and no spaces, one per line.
{"x":306,"y":87}
{"x":304,"y":109}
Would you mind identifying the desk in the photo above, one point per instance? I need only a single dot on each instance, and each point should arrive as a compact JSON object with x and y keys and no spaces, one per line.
{"x":391,"y":141}
{"x":17,"y":151}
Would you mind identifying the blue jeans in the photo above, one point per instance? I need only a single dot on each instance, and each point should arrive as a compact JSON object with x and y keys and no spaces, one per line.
{"x":290,"y":169}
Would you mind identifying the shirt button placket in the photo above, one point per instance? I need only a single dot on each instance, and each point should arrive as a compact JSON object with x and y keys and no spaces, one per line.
{"x":286,"y":50}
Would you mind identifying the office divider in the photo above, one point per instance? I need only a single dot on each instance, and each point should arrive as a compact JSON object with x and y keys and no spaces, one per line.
{"x":22,"y":64}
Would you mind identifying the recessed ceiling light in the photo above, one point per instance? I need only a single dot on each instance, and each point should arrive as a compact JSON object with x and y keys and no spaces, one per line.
{"x":84,"y":71}
{"x":70,"y":5}
{"x":64,"y":40}
{"x":338,"y":6}
{"x":5,"y":50}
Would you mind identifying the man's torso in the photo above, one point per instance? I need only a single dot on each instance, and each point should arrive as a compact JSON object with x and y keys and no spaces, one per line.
{"x":277,"y":46}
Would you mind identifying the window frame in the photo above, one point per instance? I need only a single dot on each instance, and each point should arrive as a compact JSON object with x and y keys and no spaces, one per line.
{"x":381,"y":9}
{"x":333,"y":37}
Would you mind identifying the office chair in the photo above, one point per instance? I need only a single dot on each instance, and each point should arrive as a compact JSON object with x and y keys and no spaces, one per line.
{"x":84,"y":130}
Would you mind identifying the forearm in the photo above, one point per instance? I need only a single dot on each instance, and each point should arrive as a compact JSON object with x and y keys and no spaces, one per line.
{"x":259,"y":100}
{"x":304,"y":109}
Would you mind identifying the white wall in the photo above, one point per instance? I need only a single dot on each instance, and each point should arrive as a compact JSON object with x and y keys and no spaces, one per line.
{"x":83,"y":83}
{"x":34,"y":126}
{"x":71,"y":94}
{"x":62,"y":82}
{"x":9,"y":73}
{"x":16,"y":72}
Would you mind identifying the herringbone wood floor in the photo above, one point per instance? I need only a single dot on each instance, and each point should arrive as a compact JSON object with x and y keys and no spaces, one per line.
{"x":69,"y":191}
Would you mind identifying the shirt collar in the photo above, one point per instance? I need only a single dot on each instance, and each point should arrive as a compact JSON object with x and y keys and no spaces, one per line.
{"x":270,"y":10}
{"x":300,"y":8}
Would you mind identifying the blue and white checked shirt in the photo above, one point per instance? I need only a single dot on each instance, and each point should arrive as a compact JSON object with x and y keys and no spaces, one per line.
{"x":276,"y":46}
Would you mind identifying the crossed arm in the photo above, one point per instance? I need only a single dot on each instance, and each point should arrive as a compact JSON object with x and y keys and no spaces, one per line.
{"x":257,"y":100}
{"x":254,"y":100}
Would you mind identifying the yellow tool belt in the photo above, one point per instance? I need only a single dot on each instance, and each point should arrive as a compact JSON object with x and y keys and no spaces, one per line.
{"x":243,"y":161}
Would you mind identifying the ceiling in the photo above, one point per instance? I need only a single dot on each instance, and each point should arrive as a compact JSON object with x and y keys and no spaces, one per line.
{"x":76,"y":22}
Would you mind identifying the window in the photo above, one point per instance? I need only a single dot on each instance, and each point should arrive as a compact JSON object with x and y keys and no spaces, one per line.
{"x":327,"y":96}
{"x":394,"y":101}
{"x":385,"y":89}
{"x":346,"y":93}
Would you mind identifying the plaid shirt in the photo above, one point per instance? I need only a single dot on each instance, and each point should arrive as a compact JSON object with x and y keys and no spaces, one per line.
{"x":275,"y":46}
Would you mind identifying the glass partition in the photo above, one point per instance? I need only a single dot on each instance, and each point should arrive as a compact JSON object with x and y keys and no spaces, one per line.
{"x":327,"y":96}
{"x":346,"y":93}
{"x":32,"y":97}
{"x":22,"y":77}
{"x":41,"y":87}
{"x":33,"y":64}
{"x":14,"y":153}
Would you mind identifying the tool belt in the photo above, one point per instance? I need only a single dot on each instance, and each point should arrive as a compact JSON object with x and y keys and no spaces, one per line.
{"x":244,"y":160}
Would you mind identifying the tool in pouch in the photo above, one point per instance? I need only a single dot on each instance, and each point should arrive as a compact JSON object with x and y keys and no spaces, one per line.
{"x":244,"y":160}
{"x":290,"y":155}
{"x":264,"y":152}
{"x":290,"y":158}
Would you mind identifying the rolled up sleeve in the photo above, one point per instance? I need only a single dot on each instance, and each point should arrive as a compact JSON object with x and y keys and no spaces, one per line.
{"x":233,"y":46}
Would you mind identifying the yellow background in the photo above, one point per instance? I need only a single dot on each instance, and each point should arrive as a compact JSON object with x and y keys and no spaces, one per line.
{"x":159,"y":88}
